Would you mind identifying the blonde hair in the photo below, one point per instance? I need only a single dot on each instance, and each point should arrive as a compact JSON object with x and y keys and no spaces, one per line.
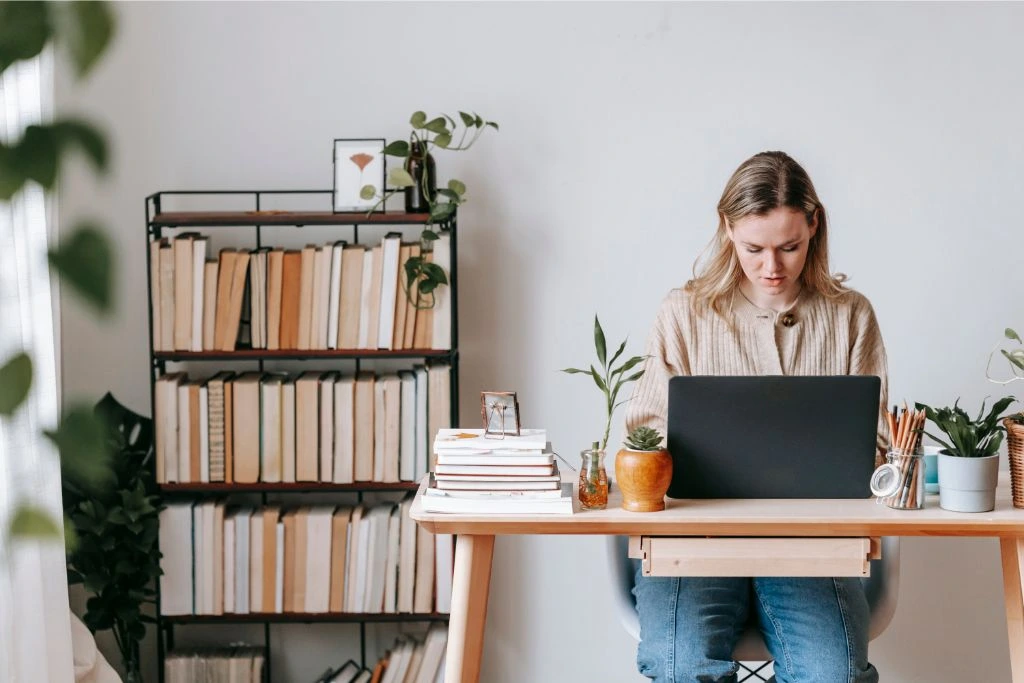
{"x":762,"y":183}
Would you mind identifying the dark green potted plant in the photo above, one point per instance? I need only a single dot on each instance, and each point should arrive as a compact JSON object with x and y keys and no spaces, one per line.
{"x":115,"y":524}
{"x":969,"y":459}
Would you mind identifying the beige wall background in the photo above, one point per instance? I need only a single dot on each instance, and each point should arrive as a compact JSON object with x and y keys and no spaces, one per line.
{"x":620,"y":124}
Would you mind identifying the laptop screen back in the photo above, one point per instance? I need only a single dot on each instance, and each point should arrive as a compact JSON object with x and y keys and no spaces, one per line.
{"x":772,"y":437}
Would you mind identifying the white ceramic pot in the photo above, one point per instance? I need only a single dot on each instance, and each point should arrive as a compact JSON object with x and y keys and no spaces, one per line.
{"x":968,"y":484}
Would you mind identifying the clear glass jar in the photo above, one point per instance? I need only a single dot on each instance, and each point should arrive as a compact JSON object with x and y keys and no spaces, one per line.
{"x":593,"y":492}
{"x":899,"y":483}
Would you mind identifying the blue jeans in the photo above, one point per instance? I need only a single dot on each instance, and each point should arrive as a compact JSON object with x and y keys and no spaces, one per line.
{"x":816,"y":629}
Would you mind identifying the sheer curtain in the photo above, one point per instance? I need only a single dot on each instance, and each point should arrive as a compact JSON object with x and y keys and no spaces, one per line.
{"x":35,"y":635}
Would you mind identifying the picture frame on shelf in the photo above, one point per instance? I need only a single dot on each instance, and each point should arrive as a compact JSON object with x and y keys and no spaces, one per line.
{"x":500,"y":413}
{"x":358,"y":162}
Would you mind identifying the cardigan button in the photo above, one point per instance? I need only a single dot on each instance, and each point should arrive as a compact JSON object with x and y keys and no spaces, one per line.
{"x":788,"y":319}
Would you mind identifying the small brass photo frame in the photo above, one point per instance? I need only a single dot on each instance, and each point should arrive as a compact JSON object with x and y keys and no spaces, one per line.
{"x":500,"y":413}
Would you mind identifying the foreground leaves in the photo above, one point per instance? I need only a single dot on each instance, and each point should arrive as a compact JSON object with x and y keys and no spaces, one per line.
{"x":15,"y":382}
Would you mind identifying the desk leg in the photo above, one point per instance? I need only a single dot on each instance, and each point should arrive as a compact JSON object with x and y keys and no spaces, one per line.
{"x":470,"y":587}
{"x":1012,"y":550}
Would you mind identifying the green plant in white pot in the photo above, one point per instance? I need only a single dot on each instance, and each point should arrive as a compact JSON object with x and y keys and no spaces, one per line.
{"x":969,"y":460}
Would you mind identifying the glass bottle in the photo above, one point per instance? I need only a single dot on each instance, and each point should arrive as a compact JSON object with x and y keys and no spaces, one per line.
{"x":419,"y":160}
{"x":593,"y":491}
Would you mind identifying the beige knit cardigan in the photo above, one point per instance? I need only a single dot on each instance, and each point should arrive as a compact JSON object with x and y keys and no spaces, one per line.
{"x":825,"y":337}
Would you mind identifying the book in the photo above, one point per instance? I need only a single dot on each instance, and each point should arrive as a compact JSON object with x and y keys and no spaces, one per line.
{"x":509,"y":470}
{"x":166,"y":308}
{"x":351,"y":296}
{"x":554,"y":490}
{"x":441,"y":338}
{"x":496,"y":478}
{"x":334,"y":300}
{"x":271,"y":460}
{"x":198,"y":290}
{"x":307,"y":432}
{"x":444,"y":558}
{"x":275,"y":288}
{"x":390,"y":253}
{"x":504,"y":484}
{"x":344,"y":416}
{"x":445,"y":502}
{"x":307,"y":286}
{"x":176,"y":580}
{"x":291,"y":286}
{"x":474,"y":439}
{"x":183,"y":291}
{"x":495,"y":457}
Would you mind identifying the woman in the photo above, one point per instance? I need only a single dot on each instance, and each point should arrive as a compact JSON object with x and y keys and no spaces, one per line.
{"x":763,"y":303}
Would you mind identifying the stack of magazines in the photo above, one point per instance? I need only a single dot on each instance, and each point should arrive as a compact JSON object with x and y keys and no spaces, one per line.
{"x":480,"y":473}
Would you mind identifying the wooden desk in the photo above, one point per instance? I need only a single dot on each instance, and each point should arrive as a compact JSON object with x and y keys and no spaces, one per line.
{"x":775,"y":518}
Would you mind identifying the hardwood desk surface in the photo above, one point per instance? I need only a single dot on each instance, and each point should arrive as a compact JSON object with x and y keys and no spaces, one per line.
{"x":778,"y":518}
{"x":789,"y":517}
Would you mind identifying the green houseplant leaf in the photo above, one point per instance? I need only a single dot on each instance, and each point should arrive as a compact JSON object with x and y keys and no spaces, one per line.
{"x":117,"y":556}
{"x":612,"y":379}
{"x":24,"y":31}
{"x":33,"y":522}
{"x":85,"y":261}
{"x":438,"y":132}
{"x":965,"y":437}
{"x":86,"y":28}
{"x":15,"y":382}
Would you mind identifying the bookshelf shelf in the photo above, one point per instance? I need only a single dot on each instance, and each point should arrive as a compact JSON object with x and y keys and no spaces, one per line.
{"x":299,"y":487}
{"x":266,"y":228}
{"x":303,"y":618}
{"x":224,"y":219}
{"x":293,"y":354}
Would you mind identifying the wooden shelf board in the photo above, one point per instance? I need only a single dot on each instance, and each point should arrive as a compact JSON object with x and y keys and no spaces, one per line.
{"x":295,"y":354}
{"x":299,"y":617}
{"x":212,"y":219}
{"x":281,"y":487}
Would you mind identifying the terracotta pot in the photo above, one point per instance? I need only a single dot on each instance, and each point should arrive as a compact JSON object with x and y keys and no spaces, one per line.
{"x":643,"y":477}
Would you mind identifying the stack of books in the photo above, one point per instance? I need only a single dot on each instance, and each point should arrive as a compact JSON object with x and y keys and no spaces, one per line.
{"x":492,"y":474}
{"x":233,"y":664}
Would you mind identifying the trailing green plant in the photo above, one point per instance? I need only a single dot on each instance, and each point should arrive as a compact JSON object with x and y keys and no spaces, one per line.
{"x":1014,"y":357}
{"x":611,"y":379}
{"x":116,"y":557}
{"x":644,"y":439}
{"x":422,"y":278}
{"x":965,"y":437}
{"x":83,"y":258}
{"x":1016,"y":418}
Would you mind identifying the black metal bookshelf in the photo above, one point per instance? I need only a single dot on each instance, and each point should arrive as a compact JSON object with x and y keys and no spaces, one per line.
{"x":159,"y":219}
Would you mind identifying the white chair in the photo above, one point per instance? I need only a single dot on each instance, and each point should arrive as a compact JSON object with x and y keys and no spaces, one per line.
{"x":882,"y":589}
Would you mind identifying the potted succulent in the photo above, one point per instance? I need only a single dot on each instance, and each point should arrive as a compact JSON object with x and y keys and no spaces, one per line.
{"x":593,"y":492}
{"x":643,"y":470}
{"x":969,"y":459}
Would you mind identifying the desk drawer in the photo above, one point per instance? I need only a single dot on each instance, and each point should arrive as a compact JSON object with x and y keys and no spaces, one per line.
{"x":670,"y":556}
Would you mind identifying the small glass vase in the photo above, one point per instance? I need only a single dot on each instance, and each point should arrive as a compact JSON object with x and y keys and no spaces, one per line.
{"x":593,"y":491}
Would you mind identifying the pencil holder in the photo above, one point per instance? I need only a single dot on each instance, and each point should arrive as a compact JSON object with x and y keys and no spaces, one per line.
{"x":899,"y":483}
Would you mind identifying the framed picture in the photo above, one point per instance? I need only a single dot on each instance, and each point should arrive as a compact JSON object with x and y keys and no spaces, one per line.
{"x":358,"y":163}
{"x":500,"y":413}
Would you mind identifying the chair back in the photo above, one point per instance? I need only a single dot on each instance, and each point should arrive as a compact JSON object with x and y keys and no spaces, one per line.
{"x":881,"y":589}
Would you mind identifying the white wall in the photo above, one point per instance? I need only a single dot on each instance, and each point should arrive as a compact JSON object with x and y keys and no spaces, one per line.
{"x":619,"y":127}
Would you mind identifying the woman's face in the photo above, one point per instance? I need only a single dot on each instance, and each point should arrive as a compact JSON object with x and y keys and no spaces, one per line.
{"x":772,"y":250}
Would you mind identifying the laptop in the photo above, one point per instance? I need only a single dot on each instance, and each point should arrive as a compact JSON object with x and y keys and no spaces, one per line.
{"x":772,"y":436}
